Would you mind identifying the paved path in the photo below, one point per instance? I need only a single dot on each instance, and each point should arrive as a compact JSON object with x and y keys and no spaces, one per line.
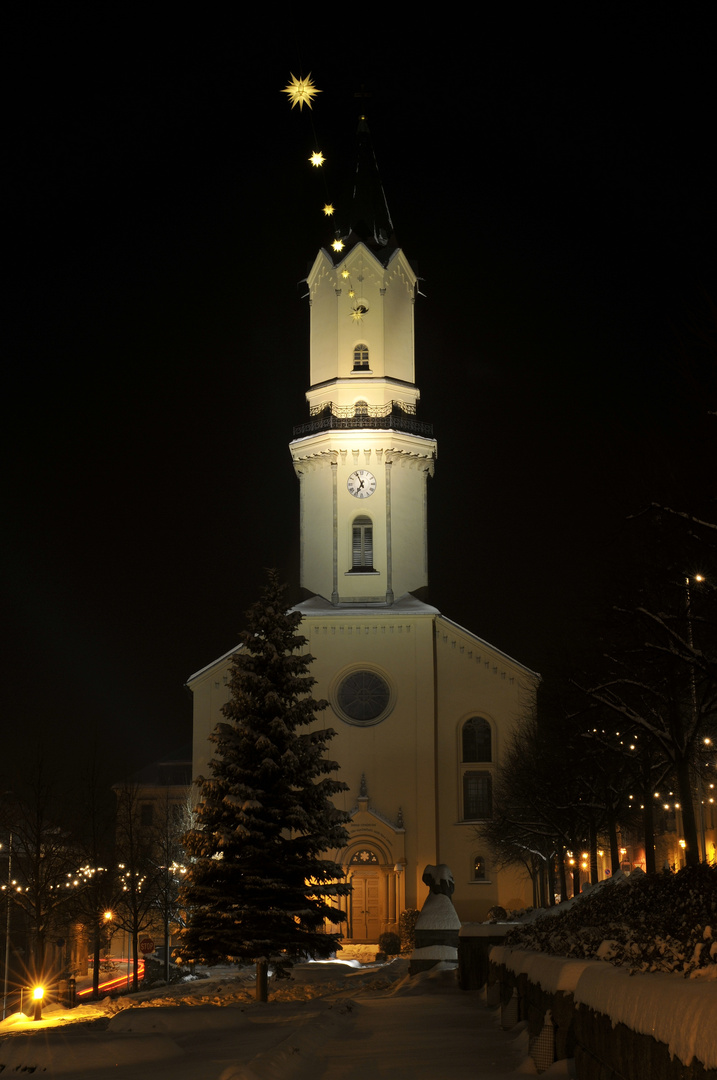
{"x":447,"y":1035}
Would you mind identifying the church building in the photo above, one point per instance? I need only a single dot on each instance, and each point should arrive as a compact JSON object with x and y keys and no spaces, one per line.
{"x":423,"y":708}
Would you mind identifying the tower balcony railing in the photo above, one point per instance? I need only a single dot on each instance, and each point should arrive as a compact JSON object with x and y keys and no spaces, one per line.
{"x":397,"y":415}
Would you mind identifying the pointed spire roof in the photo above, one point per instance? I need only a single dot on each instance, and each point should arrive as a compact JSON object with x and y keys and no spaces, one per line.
{"x":363,"y":213}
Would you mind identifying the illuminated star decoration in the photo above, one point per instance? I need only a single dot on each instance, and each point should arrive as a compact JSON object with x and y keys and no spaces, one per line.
{"x":301,"y":91}
{"x":328,"y":209}
{"x":344,"y":273}
{"x":338,"y":245}
{"x":317,"y":159}
{"x":358,"y":313}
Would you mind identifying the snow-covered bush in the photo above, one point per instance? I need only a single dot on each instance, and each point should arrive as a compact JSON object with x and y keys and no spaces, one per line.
{"x":655,"y":922}
{"x":407,"y":930}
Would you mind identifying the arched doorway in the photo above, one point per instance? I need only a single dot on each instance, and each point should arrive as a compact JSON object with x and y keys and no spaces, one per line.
{"x":365,"y":905}
{"x":365,"y":913}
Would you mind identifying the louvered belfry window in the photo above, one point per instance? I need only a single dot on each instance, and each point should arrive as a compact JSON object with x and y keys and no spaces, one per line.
{"x":362,"y":544}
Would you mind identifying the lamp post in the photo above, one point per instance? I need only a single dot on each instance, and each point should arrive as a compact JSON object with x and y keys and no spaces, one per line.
{"x":693,"y":693}
{"x":7,"y":926}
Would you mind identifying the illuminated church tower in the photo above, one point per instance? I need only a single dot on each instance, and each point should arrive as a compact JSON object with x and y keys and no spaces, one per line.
{"x":363,"y":458}
{"x":422,"y":707}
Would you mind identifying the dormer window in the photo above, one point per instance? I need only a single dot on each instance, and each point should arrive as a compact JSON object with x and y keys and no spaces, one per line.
{"x":361,"y":358}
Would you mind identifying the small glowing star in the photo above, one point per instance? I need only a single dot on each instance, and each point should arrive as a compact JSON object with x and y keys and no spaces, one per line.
{"x":351,"y":293}
{"x":328,"y":209}
{"x":301,"y":91}
{"x":344,"y":274}
{"x":317,"y":158}
{"x":338,"y":245}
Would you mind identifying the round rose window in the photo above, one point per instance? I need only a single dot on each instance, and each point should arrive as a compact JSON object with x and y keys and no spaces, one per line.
{"x":363,"y":697}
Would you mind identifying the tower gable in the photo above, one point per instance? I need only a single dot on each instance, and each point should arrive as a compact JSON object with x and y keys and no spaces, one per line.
{"x":361,"y":301}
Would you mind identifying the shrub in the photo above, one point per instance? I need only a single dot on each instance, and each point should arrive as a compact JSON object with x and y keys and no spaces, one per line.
{"x":407,"y":929}
{"x":497,"y":913}
{"x":389,"y":943}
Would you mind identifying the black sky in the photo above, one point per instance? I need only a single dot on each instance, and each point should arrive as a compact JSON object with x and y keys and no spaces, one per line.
{"x":554,"y":186}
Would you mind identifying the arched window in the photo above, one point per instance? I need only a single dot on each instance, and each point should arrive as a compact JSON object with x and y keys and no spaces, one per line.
{"x":479,"y":868}
{"x":362,"y":544}
{"x":360,"y":357}
{"x":476,"y":740}
{"x":477,"y":796}
{"x":361,"y":408}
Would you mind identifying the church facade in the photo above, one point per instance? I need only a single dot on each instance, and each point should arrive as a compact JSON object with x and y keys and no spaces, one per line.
{"x":422,"y":707}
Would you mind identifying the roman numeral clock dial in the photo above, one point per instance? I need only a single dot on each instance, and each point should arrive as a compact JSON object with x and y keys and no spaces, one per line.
{"x":361,"y":484}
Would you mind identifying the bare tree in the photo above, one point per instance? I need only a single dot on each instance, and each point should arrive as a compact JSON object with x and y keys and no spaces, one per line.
{"x":137,"y":872}
{"x":46,"y":860}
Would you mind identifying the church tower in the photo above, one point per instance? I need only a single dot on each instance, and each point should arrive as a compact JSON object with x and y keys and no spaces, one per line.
{"x":363,"y":458}
{"x":421,"y":707}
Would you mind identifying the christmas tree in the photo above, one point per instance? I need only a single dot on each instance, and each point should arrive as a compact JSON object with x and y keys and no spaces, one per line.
{"x":258,"y":888}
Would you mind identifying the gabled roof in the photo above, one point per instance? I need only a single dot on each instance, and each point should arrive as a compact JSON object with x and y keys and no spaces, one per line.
{"x":487,"y":645}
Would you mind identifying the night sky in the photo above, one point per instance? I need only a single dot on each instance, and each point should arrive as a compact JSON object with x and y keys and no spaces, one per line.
{"x":553,"y":185}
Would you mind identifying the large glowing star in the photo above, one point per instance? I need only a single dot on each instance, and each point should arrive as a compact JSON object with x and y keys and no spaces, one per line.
{"x":328,"y":209}
{"x":301,"y":91}
{"x":317,"y":158}
{"x":338,"y":245}
{"x":358,"y":313}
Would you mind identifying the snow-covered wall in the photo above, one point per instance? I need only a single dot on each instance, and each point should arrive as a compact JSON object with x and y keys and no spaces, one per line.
{"x":675,"y":1011}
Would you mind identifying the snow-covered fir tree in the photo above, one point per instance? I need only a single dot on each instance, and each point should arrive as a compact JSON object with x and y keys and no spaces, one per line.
{"x":259,"y":888}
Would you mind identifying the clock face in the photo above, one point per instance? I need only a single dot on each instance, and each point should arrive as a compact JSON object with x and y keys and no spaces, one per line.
{"x":361,"y":483}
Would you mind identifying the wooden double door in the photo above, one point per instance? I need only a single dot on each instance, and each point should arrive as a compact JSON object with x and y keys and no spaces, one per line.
{"x":365,"y":905}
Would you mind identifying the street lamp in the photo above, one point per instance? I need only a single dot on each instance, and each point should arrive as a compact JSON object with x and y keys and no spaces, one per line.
{"x":693,"y":689}
{"x":7,"y":926}
{"x":37,"y":995}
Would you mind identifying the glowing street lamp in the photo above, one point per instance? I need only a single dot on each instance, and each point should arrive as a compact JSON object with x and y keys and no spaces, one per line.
{"x":37,"y":996}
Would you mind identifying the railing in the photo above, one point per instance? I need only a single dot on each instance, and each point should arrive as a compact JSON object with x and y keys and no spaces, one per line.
{"x":362,"y":409}
{"x":398,"y":416}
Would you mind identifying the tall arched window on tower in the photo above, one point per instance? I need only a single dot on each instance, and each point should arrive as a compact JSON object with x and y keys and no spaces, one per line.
{"x":361,"y":357}
{"x":476,"y":738}
{"x":362,"y":544}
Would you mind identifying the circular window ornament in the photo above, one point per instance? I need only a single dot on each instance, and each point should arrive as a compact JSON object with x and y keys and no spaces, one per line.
{"x":362,"y":697}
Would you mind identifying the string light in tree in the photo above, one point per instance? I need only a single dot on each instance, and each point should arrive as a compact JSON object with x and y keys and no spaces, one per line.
{"x":301,"y":91}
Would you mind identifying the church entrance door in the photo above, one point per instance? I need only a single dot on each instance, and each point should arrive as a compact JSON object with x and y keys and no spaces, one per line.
{"x":365,"y":915}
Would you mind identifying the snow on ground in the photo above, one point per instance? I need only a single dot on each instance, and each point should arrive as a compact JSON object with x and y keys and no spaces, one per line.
{"x":341,"y":1020}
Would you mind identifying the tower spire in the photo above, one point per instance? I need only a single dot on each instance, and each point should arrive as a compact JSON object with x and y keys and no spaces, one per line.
{"x":363,"y":214}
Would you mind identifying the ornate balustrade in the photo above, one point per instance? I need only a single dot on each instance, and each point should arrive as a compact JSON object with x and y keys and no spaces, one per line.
{"x":397,"y":416}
